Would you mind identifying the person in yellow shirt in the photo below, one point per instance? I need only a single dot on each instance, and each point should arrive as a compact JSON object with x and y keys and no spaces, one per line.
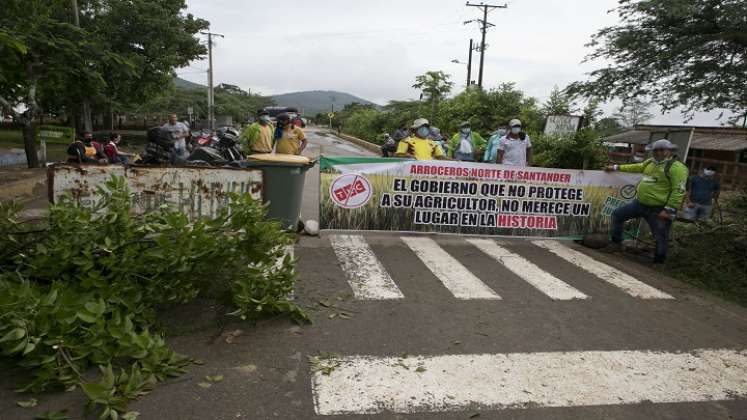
{"x":420,"y":146}
{"x":258,"y":137}
{"x":289,"y":139}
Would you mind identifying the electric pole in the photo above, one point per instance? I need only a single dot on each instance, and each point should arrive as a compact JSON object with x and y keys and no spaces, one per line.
{"x":484,"y":28}
{"x":211,"y":92}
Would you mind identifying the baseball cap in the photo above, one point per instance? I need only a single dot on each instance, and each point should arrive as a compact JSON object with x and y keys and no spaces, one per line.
{"x":661,"y":144}
{"x":514,"y":122}
{"x":420,"y":122}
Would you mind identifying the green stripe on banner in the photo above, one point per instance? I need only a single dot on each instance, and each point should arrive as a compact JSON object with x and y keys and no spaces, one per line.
{"x":327,"y":162}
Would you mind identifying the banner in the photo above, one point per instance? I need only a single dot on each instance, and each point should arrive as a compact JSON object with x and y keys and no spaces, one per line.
{"x":468,"y":198}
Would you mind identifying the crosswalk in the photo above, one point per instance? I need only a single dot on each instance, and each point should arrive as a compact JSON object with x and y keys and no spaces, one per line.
{"x":369,"y":279}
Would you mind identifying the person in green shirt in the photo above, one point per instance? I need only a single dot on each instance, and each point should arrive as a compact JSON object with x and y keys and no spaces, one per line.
{"x":466,"y":145}
{"x":258,"y":137}
{"x":659,"y":194}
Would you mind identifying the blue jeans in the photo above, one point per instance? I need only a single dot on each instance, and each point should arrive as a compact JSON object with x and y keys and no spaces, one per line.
{"x":659,"y":228}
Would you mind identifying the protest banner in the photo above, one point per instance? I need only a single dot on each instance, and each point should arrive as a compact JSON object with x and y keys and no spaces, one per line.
{"x":468,"y":198}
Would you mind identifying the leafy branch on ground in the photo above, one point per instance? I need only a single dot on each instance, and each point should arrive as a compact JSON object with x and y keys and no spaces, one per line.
{"x":82,"y":288}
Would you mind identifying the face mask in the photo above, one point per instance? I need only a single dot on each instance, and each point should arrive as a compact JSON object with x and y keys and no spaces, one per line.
{"x":706,"y":172}
{"x":423,"y":132}
{"x":466,"y":130}
{"x":264,"y":119}
{"x":501,"y":132}
{"x":515,"y":130}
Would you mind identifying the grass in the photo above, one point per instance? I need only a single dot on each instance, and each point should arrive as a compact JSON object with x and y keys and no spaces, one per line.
{"x":11,"y":138}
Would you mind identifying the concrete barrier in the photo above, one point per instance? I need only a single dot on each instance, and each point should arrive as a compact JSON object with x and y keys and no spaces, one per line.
{"x":371,"y":147}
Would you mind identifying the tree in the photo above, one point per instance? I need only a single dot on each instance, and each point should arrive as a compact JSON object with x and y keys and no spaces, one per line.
{"x":608,"y":126}
{"x":592,"y":112}
{"x":633,"y":112}
{"x":689,"y":53}
{"x":559,"y":103}
{"x":434,"y":85}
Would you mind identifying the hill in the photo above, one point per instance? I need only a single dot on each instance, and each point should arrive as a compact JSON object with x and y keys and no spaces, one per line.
{"x":186,"y":84}
{"x":316,"y":101}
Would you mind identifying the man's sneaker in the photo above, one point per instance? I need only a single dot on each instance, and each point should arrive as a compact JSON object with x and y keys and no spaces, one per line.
{"x":613,"y":248}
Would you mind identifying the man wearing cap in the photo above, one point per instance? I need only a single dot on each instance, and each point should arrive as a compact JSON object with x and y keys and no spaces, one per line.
{"x":257,"y":138}
{"x":466,"y":145}
{"x":420,"y":146}
{"x":659,"y":194}
{"x":515,"y":149}
{"x":702,"y":191}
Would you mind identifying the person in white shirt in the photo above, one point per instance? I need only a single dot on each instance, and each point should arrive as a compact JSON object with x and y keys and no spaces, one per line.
{"x":179,"y":132}
{"x":515,"y":148}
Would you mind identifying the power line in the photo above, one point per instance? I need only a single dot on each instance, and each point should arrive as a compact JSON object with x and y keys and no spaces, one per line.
{"x":484,"y":27}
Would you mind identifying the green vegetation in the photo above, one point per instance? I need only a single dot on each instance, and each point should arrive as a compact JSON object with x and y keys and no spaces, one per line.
{"x":11,"y":138}
{"x":81,"y":288}
{"x":713,"y":256}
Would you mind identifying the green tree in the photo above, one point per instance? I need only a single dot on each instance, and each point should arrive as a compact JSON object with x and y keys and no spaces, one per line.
{"x":633,"y":112}
{"x":559,"y":103}
{"x":608,"y":126}
{"x":434,"y":85}
{"x":690,"y":53}
{"x":592,"y":112}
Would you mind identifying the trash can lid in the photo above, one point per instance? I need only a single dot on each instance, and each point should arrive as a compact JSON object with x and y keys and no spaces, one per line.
{"x":279,"y":157}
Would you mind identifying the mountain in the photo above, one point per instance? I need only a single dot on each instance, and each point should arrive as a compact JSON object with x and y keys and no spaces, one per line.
{"x":186,"y":84}
{"x":316,"y":101}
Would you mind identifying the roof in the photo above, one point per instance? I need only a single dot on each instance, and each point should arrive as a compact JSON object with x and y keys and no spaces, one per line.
{"x":705,"y":138}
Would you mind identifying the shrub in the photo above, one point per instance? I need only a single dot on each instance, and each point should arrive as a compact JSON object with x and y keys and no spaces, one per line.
{"x":81,"y":288}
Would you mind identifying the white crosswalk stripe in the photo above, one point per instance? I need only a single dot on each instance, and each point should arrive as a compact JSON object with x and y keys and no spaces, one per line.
{"x":460,"y":281}
{"x":370,"y":384}
{"x":543,"y":281}
{"x":611,"y":275}
{"x":367,"y":276}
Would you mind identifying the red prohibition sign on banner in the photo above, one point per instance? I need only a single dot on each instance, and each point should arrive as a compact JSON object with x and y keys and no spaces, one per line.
{"x":350,"y":191}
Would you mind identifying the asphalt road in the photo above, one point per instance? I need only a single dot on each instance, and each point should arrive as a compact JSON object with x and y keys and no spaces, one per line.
{"x":445,"y":327}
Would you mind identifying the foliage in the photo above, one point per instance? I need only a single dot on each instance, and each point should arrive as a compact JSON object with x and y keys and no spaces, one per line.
{"x":434,"y":85}
{"x":582,"y":150}
{"x":81,"y":289}
{"x":608,"y":126}
{"x":232,"y":101}
{"x":633,"y":111}
{"x":714,"y":255}
{"x":690,"y":53}
{"x":559,"y":103}
{"x":591,"y":113}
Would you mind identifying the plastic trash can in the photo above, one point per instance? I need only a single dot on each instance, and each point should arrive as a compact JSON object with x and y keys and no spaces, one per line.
{"x":283,"y":178}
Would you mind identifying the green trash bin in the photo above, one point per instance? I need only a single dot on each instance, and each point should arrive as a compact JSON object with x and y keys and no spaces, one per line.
{"x":283,"y":178}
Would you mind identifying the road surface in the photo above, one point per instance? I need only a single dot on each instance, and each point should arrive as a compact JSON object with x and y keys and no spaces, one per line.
{"x":446,"y":327}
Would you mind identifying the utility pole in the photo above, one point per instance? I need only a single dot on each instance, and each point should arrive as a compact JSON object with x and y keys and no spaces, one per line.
{"x":484,"y":28}
{"x":469,"y":63}
{"x":211,"y":91}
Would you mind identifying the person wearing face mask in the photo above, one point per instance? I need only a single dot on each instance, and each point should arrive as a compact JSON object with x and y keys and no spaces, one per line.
{"x":702,"y":191}
{"x":491,"y":150}
{"x":420,"y":146}
{"x":659,"y":194}
{"x":289,"y":139}
{"x":466,"y":145}
{"x":258,"y":137}
{"x":515,"y":148}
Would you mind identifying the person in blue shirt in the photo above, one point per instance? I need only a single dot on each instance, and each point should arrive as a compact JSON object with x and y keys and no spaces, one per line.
{"x":491,"y":151}
{"x":702,"y":191}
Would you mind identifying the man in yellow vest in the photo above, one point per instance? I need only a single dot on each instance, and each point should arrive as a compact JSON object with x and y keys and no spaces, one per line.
{"x":258,"y":137}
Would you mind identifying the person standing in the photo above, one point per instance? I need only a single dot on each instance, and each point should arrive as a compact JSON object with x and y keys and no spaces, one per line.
{"x":491,"y":150}
{"x":420,"y":146}
{"x":289,"y":139}
{"x":659,"y":194}
{"x":178,"y":131}
{"x":258,"y":136}
{"x":389,"y":147}
{"x":466,"y":145}
{"x":515,"y":148}
{"x":702,"y":191}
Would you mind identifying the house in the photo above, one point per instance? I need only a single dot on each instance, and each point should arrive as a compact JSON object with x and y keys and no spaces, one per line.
{"x":722,"y":147}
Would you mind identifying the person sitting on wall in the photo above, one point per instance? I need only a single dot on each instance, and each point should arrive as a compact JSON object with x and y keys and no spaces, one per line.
{"x":112,"y":150}
{"x":80,"y":153}
{"x":420,"y":147}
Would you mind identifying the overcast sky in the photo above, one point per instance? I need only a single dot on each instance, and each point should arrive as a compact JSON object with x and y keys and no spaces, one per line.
{"x":374,"y":49}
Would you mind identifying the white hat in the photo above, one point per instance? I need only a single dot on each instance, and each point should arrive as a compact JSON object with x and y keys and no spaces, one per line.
{"x":514,"y":122}
{"x":420,"y":122}
{"x":661,"y":144}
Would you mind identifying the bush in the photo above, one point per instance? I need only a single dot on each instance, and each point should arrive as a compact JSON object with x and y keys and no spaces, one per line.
{"x":583,"y":150}
{"x":82,"y":287}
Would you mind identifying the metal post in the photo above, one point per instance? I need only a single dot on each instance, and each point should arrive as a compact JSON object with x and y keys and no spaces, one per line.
{"x":482,"y":44}
{"x":211,"y":98}
{"x":469,"y":63}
